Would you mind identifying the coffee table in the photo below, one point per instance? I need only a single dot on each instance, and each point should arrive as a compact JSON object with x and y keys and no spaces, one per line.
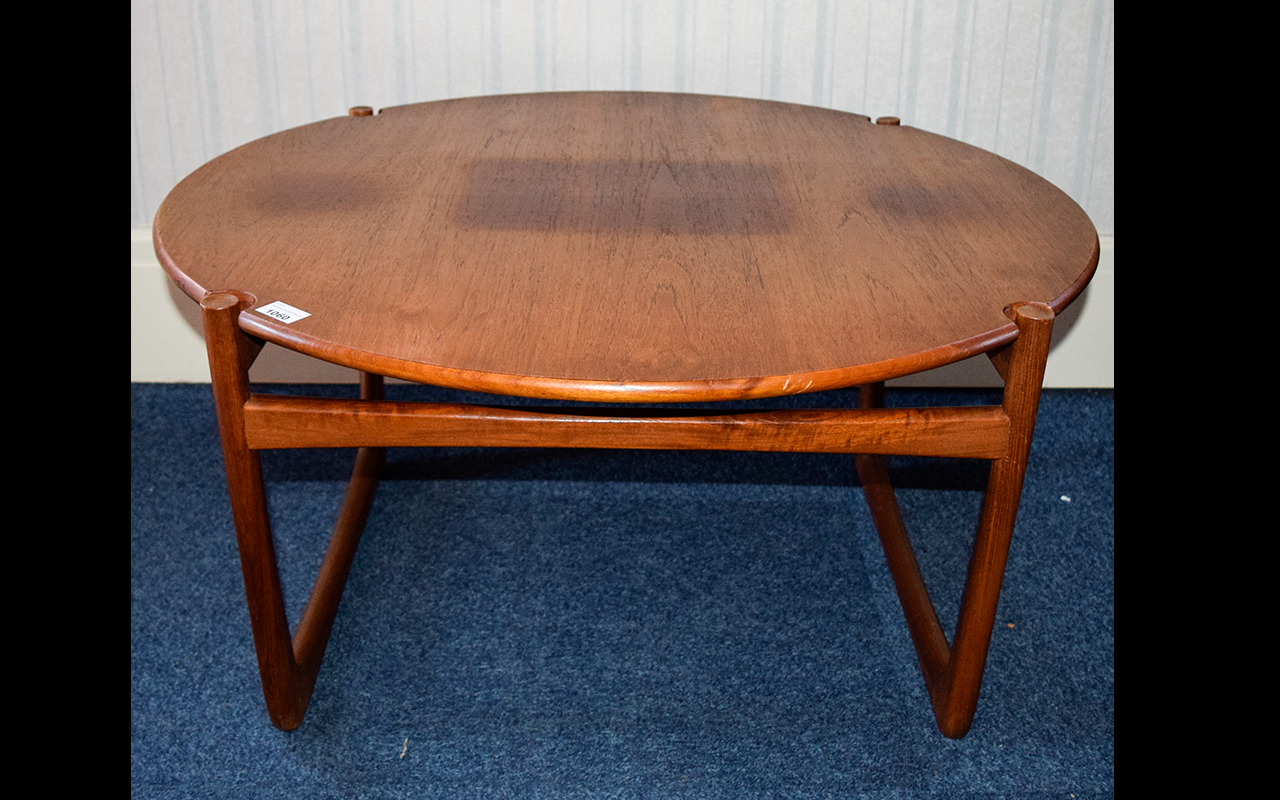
{"x":624,"y":247}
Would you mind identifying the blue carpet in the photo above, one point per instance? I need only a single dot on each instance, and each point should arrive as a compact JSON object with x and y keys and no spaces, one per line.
{"x":599,"y":624}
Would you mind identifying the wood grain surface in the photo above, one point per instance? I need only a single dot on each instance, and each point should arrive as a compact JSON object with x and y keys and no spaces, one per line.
{"x":626,"y":246}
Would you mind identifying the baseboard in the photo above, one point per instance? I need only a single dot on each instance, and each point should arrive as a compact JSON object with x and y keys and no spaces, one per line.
{"x":165,"y":345}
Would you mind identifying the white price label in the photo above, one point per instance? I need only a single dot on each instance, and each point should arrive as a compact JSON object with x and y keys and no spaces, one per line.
{"x":283,"y":312}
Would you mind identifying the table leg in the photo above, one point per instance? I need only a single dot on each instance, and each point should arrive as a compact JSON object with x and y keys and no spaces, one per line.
{"x":287,"y":665}
{"x":953,"y":673}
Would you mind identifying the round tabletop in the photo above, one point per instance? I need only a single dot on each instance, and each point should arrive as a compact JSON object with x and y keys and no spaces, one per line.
{"x":615,"y":246}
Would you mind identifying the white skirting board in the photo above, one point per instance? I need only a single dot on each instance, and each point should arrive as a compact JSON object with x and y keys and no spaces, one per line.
{"x":165,"y":345}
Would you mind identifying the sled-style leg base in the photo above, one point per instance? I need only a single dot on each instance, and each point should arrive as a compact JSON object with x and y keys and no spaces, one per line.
{"x":953,"y":672}
{"x":289,"y":663}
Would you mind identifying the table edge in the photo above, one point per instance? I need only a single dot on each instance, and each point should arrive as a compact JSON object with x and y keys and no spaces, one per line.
{"x":615,"y":391}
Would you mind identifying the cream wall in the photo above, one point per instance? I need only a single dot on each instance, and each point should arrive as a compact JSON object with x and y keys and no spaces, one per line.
{"x":1032,"y":80}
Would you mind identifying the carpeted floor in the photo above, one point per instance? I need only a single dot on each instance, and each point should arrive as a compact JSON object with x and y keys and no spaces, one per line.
{"x":598,"y":624}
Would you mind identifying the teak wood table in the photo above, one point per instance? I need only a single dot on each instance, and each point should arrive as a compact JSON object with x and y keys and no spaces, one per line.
{"x":624,"y":247}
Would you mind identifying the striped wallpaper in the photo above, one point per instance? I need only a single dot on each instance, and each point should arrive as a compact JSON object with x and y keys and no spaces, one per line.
{"x":1032,"y":80}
